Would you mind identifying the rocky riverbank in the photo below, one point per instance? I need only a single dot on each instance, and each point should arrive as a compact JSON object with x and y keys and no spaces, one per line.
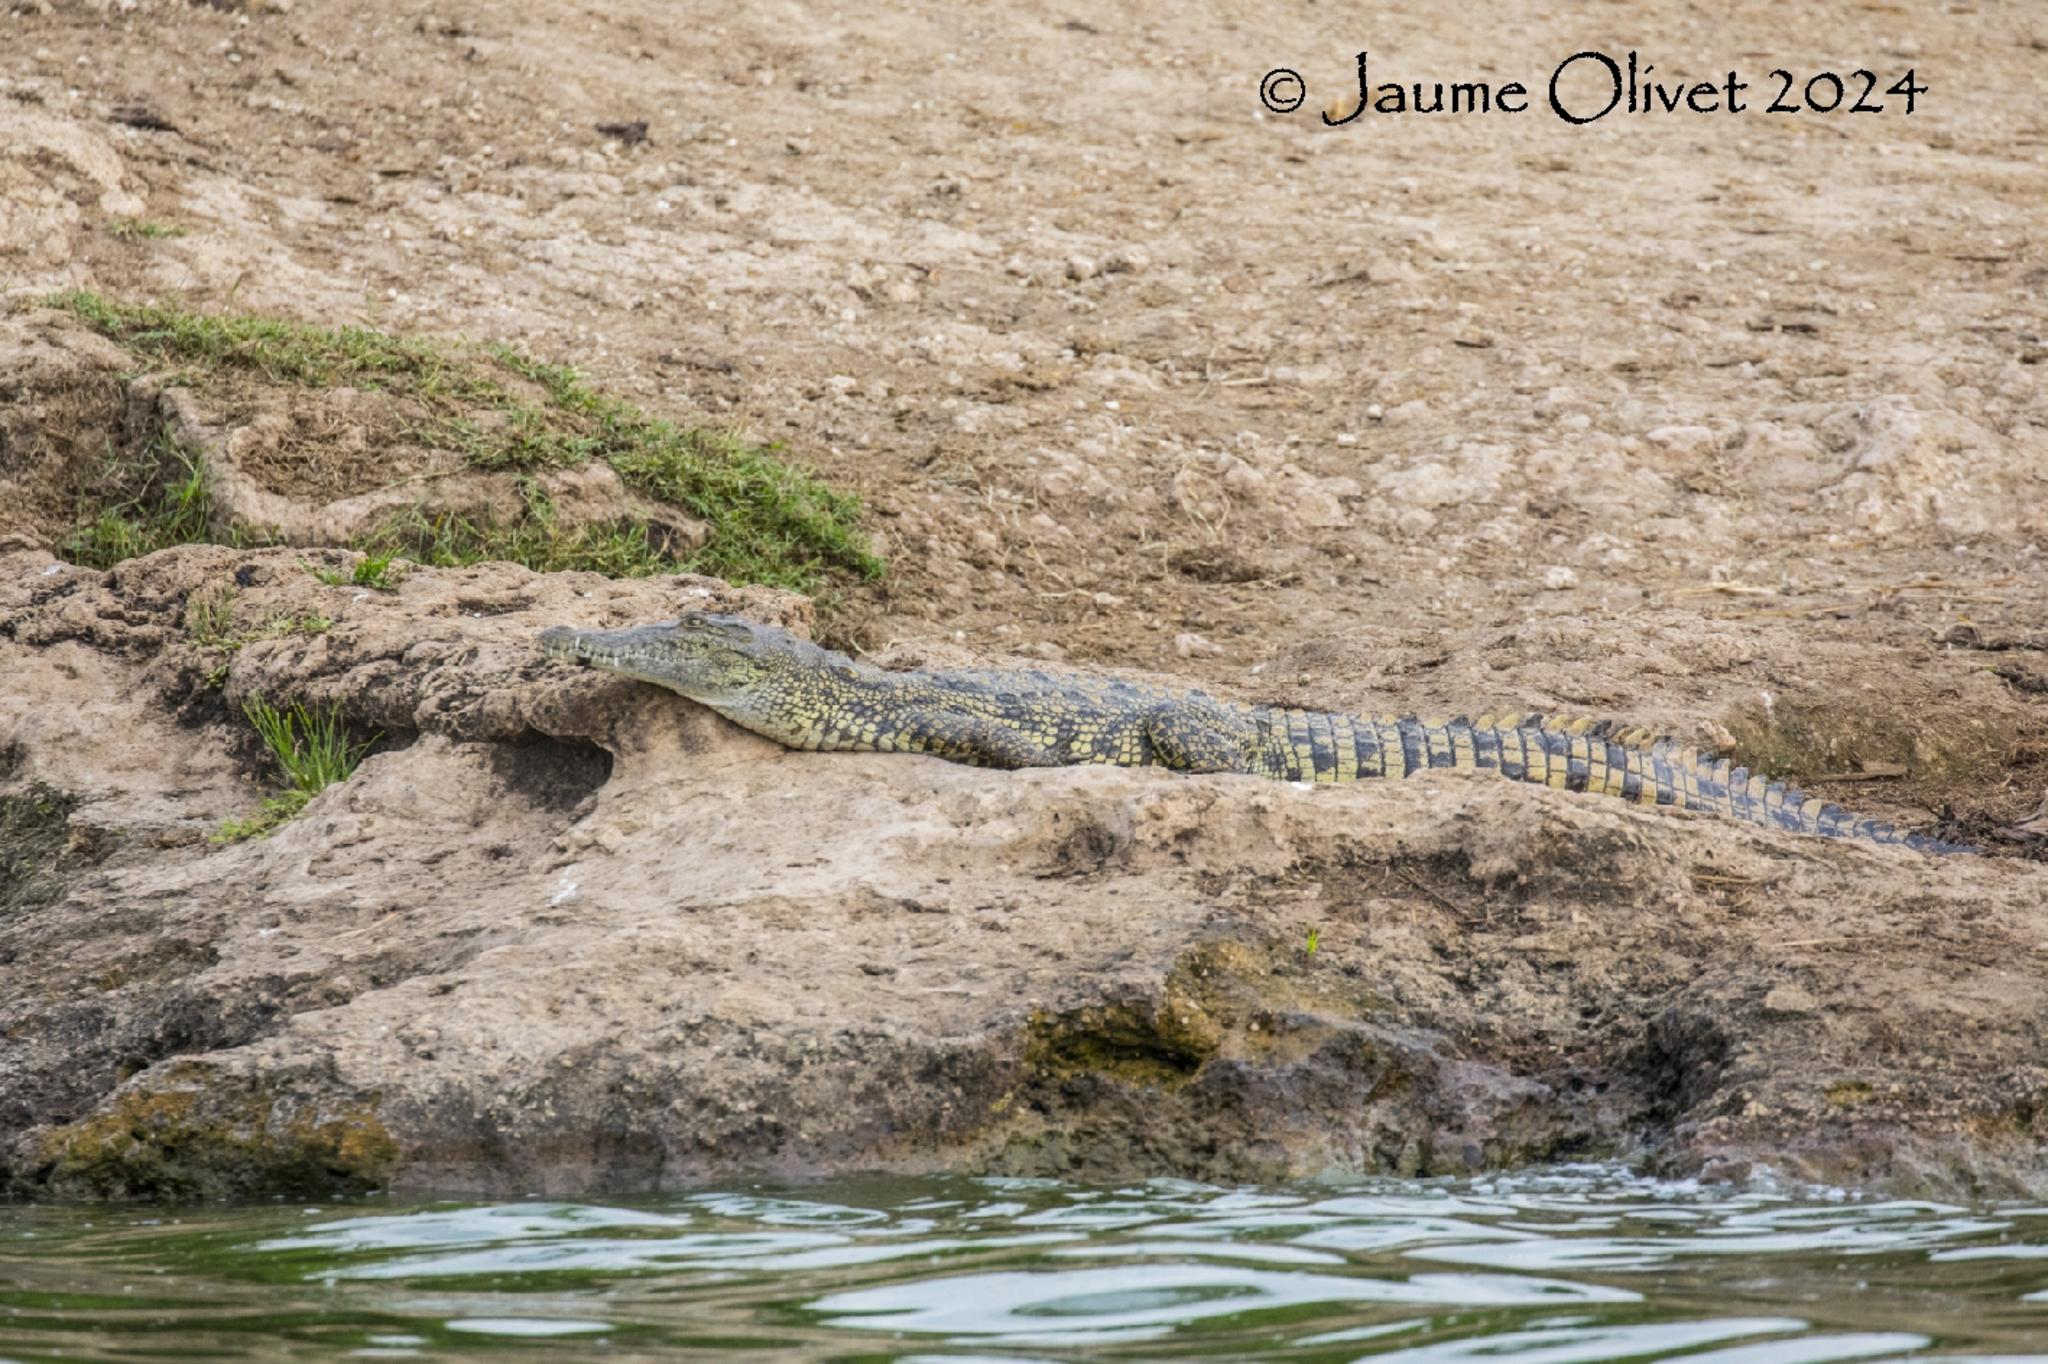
{"x":562,"y":931}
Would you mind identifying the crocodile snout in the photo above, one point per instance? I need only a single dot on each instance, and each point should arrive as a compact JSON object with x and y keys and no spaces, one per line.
{"x":562,"y":641}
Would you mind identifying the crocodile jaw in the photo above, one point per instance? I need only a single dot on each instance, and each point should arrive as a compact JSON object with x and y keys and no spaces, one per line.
{"x":641,"y":652}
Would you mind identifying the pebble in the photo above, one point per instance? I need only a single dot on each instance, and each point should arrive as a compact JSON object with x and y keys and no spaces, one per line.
{"x":1415,"y":521}
{"x":1557,"y":578}
{"x":1081,"y":267}
{"x":1684,"y":440}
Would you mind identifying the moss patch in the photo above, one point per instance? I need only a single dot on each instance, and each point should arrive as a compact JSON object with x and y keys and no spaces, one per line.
{"x":1161,"y":1044}
{"x":1248,"y":1000}
{"x":218,"y":1140}
{"x":495,"y":407}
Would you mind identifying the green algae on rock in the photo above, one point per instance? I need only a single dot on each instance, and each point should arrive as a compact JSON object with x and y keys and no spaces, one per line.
{"x":194,"y":1132}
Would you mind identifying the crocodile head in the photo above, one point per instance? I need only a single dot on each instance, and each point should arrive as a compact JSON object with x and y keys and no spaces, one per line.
{"x":706,"y":657}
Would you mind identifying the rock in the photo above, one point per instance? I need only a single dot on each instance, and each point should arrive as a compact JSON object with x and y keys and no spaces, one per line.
{"x":1779,"y":459}
{"x":1315,"y":503}
{"x":1126,"y":260}
{"x":563,"y":931}
{"x":56,"y":179}
{"x":1414,"y":522}
{"x":1557,"y":577}
{"x":1244,"y":480}
{"x":1472,"y":474}
{"x":1907,"y":466}
{"x":1682,"y":440}
{"x":1198,"y":495}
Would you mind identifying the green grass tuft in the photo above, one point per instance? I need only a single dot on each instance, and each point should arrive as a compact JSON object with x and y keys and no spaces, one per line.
{"x":284,"y":352}
{"x":378,"y":569}
{"x":210,"y":624}
{"x":312,"y":749}
{"x":498,"y":408}
{"x":275,"y":810}
{"x":280,"y":624}
{"x":150,"y":505}
{"x":210,"y":619}
{"x":534,"y":539}
{"x":133,"y":229}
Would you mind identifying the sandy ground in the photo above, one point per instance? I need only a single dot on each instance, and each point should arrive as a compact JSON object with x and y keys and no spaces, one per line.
{"x":1732,"y":424}
{"x":1768,"y":387}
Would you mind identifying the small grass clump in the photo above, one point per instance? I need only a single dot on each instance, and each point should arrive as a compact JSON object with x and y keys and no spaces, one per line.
{"x":142,"y":229}
{"x":534,"y":539}
{"x":314,"y":751}
{"x":378,"y":569}
{"x":210,"y":624}
{"x":210,"y":619}
{"x":280,"y":624}
{"x":275,"y":810}
{"x":498,"y":408}
{"x":146,"y":505}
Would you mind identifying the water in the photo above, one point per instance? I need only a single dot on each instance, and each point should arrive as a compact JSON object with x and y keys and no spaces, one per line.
{"x":1568,"y":1267}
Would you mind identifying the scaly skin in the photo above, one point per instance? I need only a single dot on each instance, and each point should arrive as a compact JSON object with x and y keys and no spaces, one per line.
{"x":800,"y":695}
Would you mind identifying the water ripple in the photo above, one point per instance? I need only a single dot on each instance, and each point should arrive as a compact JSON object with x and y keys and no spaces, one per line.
{"x":1129,"y":1301}
{"x":1566,"y":1266}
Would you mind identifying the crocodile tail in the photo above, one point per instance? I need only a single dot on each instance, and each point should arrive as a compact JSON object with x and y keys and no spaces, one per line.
{"x":1636,"y":765}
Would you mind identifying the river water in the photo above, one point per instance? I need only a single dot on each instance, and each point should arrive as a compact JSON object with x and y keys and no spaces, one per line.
{"x":1559,"y":1267}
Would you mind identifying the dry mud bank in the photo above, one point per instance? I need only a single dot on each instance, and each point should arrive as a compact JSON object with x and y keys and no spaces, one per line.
{"x":1739,"y":429}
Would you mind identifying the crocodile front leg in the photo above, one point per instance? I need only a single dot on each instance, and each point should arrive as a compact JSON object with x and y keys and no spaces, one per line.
{"x":1190,"y":737}
{"x":978,"y":742}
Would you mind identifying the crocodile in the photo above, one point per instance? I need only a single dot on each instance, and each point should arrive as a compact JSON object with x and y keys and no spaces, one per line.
{"x":801,"y":695}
